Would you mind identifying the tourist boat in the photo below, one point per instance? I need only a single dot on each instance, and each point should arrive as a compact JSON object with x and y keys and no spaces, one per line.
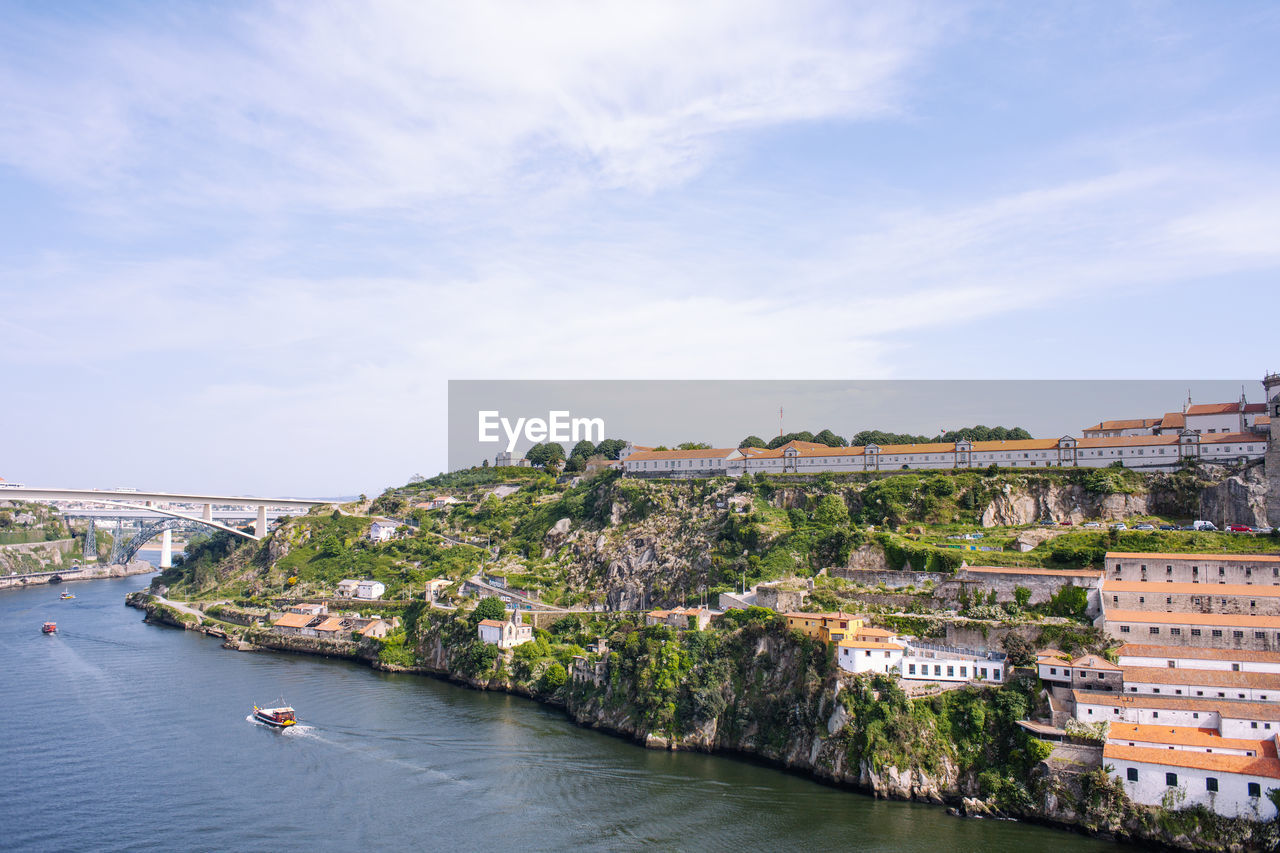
{"x":66,"y":593}
{"x":49,"y":627}
{"x":281,"y":717}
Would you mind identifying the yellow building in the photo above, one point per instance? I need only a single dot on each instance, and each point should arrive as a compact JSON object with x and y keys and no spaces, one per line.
{"x":827,"y":627}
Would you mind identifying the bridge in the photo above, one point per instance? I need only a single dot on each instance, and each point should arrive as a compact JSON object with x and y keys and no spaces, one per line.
{"x":155,"y":505}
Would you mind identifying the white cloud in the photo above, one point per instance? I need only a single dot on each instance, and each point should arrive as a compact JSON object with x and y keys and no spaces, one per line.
{"x":351,"y":105}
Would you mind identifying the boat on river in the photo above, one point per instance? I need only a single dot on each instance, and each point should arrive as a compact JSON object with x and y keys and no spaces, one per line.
{"x":66,"y":593}
{"x":49,"y":628}
{"x":281,"y":717}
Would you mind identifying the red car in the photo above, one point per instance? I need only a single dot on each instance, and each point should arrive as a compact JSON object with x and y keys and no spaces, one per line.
{"x":1239,"y":528}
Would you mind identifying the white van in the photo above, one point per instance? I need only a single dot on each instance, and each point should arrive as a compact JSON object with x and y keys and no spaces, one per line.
{"x":1203,"y":525}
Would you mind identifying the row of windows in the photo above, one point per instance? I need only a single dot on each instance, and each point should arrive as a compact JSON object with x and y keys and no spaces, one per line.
{"x":1196,"y":632}
{"x":1195,"y":570}
{"x":1210,"y":782}
{"x":1195,"y":715}
{"x":1168,"y":599}
{"x":1221,"y":695}
{"x":980,"y":672}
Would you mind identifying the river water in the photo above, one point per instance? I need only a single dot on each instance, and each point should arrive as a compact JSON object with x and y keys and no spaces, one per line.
{"x":125,"y":736}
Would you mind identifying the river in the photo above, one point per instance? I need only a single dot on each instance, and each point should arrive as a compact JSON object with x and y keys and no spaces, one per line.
{"x":127,"y":736}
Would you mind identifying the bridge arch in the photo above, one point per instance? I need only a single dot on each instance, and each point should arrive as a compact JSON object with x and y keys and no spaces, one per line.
{"x":123,"y":552}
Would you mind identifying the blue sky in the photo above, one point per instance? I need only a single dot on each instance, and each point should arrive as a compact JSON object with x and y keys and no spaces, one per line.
{"x":246,"y":245}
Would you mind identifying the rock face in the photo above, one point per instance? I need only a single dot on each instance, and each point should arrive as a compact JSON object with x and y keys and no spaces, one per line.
{"x":1239,"y":499}
{"x":1060,"y":502}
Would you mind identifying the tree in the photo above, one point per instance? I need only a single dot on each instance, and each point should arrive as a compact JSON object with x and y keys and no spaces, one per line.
{"x":832,"y":511}
{"x":583,"y":448}
{"x":610,"y":448}
{"x":545,"y":455}
{"x":693,"y":445}
{"x":1022,"y":595}
{"x":490,"y":607}
{"x":829,"y":438}
{"x":485,"y":463}
{"x":575,"y":464}
{"x":752,"y":441}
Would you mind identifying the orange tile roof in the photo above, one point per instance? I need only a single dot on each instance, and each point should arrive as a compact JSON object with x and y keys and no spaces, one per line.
{"x":1156,"y":586}
{"x":1213,"y":409}
{"x":1054,"y":653}
{"x":1173,"y":420}
{"x":1020,"y":570}
{"x":1226,"y":620}
{"x":1186,"y":736}
{"x":492,"y":623}
{"x":1131,"y":423}
{"x":1225,"y":558}
{"x":869,"y":644}
{"x":1252,"y":766}
{"x":1200,"y":677}
{"x":1232,"y":709}
{"x":1094,"y":662}
{"x":659,"y":455}
{"x":1127,"y":441}
{"x":1017,"y":444}
{"x":930,"y":447}
{"x":294,"y":620}
{"x":1185,"y":653}
{"x":875,"y":632}
{"x":1232,"y":438}
{"x":333,"y":623}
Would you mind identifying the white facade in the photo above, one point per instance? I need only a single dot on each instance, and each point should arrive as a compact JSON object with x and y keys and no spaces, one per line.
{"x":370,"y":590}
{"x":1155,"y":778}
{"x":928,"y":662}
{"x":1163,"y":452}
{"x":382,"y":531}
{"x":860,"y":657}
{"x":1232,"y":718}
{"x":1175,"y":657}
{"x":505,"y":635}
{"x":347,"y":588}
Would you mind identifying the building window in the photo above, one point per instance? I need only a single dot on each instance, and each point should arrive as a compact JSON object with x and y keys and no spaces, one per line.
{"x":1217,"y":632}
{"x":1133,"y":774}
{"x":1154,"y":630}
{"x":951,"y":671}
{"x":1255,"y":789}
{"x":1237,"y":635}
{"x":1175,"y":631}
{"x":1124,"y":629}
{"x":1171,"y":779}
{"x":1195,"y":632}
{"x":911,"y":669}
{"x":1211,"y":784}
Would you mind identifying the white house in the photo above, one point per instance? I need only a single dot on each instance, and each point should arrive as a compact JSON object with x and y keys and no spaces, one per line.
{"x":505,"y":635}
{"x":370,"y":590}
{"x":1231,"y":785}
{"x":1232,"y":719}
{"x":383,"y":530}
{"x":347,"y":588}
{"x":1202,"y":683}
{"x":929,"y":662}
{"x":860,"y":656}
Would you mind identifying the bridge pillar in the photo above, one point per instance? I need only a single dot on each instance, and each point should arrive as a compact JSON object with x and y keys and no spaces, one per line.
{"x":90,"y":543}
{"x":207,"y":515}
{"x":260,"y":529}
{"x":166,"y":548}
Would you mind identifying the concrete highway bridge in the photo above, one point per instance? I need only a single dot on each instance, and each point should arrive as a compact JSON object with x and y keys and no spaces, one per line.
{"x":156,"y":505}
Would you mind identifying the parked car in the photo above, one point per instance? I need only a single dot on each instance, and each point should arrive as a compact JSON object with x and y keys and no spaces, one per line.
{"x":1239,"y":528}
{"x":1066,"y":522}
{"x":1091,"y":525}
{"x":1168,"y":527}
{"x":1119,"y":525}
{"x":1045,"y":522}
{"x":1144,"y":526}
{"x":1263,"y":529}
{"x":1203,"y":525}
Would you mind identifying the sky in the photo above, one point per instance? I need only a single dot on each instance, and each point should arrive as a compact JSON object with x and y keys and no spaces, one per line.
{"x":246,"y":245}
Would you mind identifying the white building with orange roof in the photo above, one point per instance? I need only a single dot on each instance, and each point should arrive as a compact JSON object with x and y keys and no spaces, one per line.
{"x":1230,"y":785}
{"x":871,"y":655}
{"x":1183,"y":657}
{"x":1163,"y":452}
{"x":1210,"y":630}
{"x":1190,"y":739}
{"x":1202,"y":683}
{"x":1232,"y":718}
{"x":505,"y":634}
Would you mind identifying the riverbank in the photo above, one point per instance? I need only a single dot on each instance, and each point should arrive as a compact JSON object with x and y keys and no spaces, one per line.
{"x":762,"y":695}
{"x":85,"y":573}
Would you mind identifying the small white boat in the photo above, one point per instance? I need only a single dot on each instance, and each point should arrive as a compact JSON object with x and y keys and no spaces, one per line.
{"x":66,"y":593}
